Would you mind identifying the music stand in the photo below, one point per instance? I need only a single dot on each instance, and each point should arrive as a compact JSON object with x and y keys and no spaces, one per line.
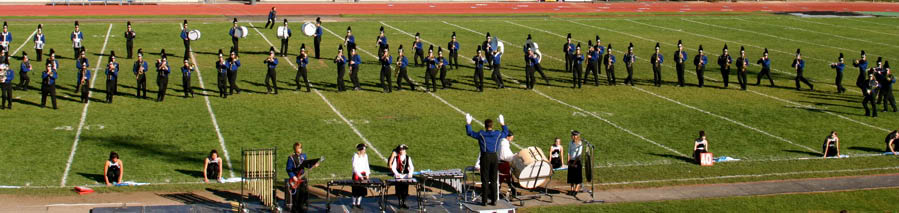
{"x":589,"y":170}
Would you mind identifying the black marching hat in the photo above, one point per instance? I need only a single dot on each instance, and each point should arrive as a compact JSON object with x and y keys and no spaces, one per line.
{"x":700,"y":48}
{"x":235,"y":20}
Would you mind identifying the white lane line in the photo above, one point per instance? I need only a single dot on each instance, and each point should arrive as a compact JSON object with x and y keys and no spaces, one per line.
{"x":820,"y":33}
{"x":825,"y":111}
{"x":339,"y":114}
{"x":435,"y":95}
{"x":749,"y":176}
{"x":215,"y":123}
{"x":789,"y":53}
{"x":593,"y":114}
{"x":65,"y":174}
{"x":23,"y":43}
{"x":726,"y":119}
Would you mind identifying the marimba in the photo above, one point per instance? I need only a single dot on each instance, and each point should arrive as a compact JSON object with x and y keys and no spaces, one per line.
{"x":374,"y":183}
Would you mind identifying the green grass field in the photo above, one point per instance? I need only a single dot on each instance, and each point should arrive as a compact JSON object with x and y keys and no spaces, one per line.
{"x":643,"y":133}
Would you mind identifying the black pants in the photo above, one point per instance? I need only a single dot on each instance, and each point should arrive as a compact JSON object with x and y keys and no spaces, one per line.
{"x":576,"y":72}
{"x":838,"y":82}
{"x":498,"y":76}
{"x":402,"y":192}
{"x":386,"y":82}
{"x":317,"y":42}
{"x":48,"y":90}
{"x":110,"y":90}
{"x":301,"y":72}
{"x":39,"y":53}
{"x":77,"y":52}
{"x":186,"y":50}
{"x":142,"y":86}
{"x":284,"y":46}
{"x":403,"y":75}
{"x":830,"y":150}
{"x":269,"y":23}
{"x":341,"y":70}
{"x":24,"y":80}
{"x":610,"y":74}
{"x":185,"y":83}
{"x":592,"y":68}
{"x":870,"y":99}
{"x":430,"y":79}
{"x":529,"y":78}
{"x":129,"y":47}
{"x":568,"y":62}
{"x":235,"y":43}
{"x":539,"y":69}
{"x":741,"y":77}
{"x":354,"y":76}
{"x":454,"y":60}
{"x":300,"y":198}
{"x":489,"y":181}
{"x":700,"y":75}
{"x":271,"y":75}
{"x":443,"y":81}
{"x":679,"y":68}
{"x":725,"y":76}
{"x":85,"y":90}
{"x":697,"y":155}
{"x":163,"y":84}
{"x":232,"y":82}
{"x":766,"y":72}
{"x":657,"y":75}
{"x":799,"y":78}
{"x":630,"y":75}
{"x":478,"y":79}
{"x":888,"y":99}
{"x":7,"y":95}
{"x":419,"y":58}
{"x":223,"y":85}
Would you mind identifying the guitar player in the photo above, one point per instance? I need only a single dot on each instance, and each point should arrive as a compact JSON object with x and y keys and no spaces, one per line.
{"x":297,"y":186}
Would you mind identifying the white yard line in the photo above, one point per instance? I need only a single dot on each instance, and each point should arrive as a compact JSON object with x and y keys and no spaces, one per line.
{"x":592,"y":114}
{"x":838,"y":26}
{"x":789,"y":53}
{"x":215,"y":123}
{"x":820,"y":33}
{"x":828,"y":112}
{"x":339,"y":114}
{"x":99,"y":61}
{"x":23,"y":43}
{"x":747,"y":176}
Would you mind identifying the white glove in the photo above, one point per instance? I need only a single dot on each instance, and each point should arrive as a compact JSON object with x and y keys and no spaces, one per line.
{"x":468,"y":118}
{"x":501,"y":120}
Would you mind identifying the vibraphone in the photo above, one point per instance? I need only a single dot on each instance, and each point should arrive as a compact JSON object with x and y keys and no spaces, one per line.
{"x":375,"y":183}
{"x":410,"y":181}
{"x":452,"y":177}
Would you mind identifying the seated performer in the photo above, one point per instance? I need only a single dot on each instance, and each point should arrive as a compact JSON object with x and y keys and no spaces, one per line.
{"x":212,"y":168}
{"x":701,"y":145}
{"x":113,"y":170}
{"x":402,"y":167}
{"x":297,"y":173}
{"x":361,"y":173}
{"x":555,"y":153}
{"x":891,"y":141}
{"x":832,"y":145}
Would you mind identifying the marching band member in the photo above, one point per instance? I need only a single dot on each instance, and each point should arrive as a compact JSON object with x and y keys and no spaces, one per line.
{"x":629,"y":59}
{"x":24,"y":68}
{"x":700,"y":60}
{"x":656,"y":60}
{"x":453,"y":47}
{"x":5,"y":38}
{"x":317,"y":37}
{"x":286,"y":39}
{"x":162,"y":75}
{"x":497,"y":75}
{"x":385,"y":62}
{"x":270,"y":22}
{"x":235,"y":37}
{"x":113,"y":171}
{"x":441,"y":65}
{"x":233,"y":65}
{"x":593,"y":59}
{"x":130,"y":35}
{"x":349,"y":39}
{"x":742,"y":64}
{"x":402,"y":168}
{"x":6,"y":84}
{"x":361,"y":172}
{"x":577,"y":60}
{"x":530,"y":66}
{"x":479,"y":61}
{"x":887,"y":85}
{"x":724,"y":62}
{"x":609,"y":62}
{"x":84,"y":83}
{"x":832,"y":145}
{"x":488,"y":141}
{"x":799,"y":65}
{"x":765,"y":62}
{"x":870,"y":90}
{"x":568,"y":49}
{"x":271,"y":63}
{"x":862,"y":65}
{"x":140,"y":72}
{"x":39,"y":41}
{"x":77,"y":38}
{"x":878,"y":71}
{"x":488,"y":50}
{"x":700,"y":145}
{"x":431,"y":71}
{"x":81,"y":63}
{"x":221,"y":67}
{"x":296,"y":172}
{"x":112,"y":77}
{"x":302,"y":62}
{"x":680,"y":57}
{"x":599,"y":60}
{"x":212,"y":167}
{"x":838,"y":67}
{"x":186,"y":71}
{"x":48,"y":83}
{"x":419,"y":51}
{"x":341,"y":62}
{"x":355,"y":61}
{"x":185,"y":37}
{"x":382,"y":42}
{"x":402,"y":63}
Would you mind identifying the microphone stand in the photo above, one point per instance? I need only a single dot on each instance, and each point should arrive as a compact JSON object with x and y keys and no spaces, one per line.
{"x":592,"y":183}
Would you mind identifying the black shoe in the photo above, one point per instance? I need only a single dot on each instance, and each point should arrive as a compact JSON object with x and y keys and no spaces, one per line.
{"x":493,"y":203}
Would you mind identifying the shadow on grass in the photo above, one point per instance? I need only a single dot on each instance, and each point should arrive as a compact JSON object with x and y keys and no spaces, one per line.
{"x":815,"y":154}
{"x":192,"y":173}
{"x":96,"y":177}
{"x":676,"y":157}
{"x":866,"y":149}
{"x":191,"y":199}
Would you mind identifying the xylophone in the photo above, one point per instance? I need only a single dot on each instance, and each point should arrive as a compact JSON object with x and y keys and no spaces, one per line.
{"x":409,"y":181}
{"x":452,"y":177}
{"x":374,"y":183}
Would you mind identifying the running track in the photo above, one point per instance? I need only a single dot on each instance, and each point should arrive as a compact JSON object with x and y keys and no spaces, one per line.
{"x":437,"y":8}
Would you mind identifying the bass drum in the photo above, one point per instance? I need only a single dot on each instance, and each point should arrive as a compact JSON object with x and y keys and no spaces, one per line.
{"x":282,"y":32}
{"x":309,"y":29}
{"x":194,"y":35}
{"x":243,"y":31}
{"x":531,"y":168}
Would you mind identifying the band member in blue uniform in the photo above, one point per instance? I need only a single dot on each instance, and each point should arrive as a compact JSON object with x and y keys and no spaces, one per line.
{"x":838,"y":67}
{"x":77,"y":38}
{"x":302,"y":62}
{"x":765,"y":62}
{"x":497,"y":74}
{"x":742,"y":65}
{"x":317,"y":37}
{"x":680,"y":59}
{"x":271,"y":75}
{"x":6,"y":86}
{"x":609,"y":62}
{"x":285,"y":41}
{"x":341,"y":62}
{"x":870,"y":89}
{"x":186,"y":71}
{"x":577,"y":61}
{"x":140,"y":69}
{"x":39,"y":42}
{"x":186,"y":38}
{"x":799,"y":65}
{"x":355,"y":61}
{"x":84,"y":84}
{"x":386,"y":60}
{"x":112,"y":77}
{"x":382,"y":42}
{"x":235,"y":36}
{"x":887,"y":87}
{"x":453,"y":47}
{"x":349,"y":40}
{"x":568,"y":50}
{"x":479,"y":61}
{"x":402,"y":63}
{"x":162,"y":76}
{"x":442,"y":66}
{"x":530,"y":60}
{"x":862,"y":65}
{"x":233,"y":65}
{"x":81,"y":62}
{"x":629,"y":59}
{"x":700,"y":61}
{"x":419,"y":57}
{"x":601,"y":53}
{"x":656,"y":60}
{"x":48,"y":83}
{"x":593,"y":59}
{"x":724,"y":61}
{"x":488,"y":50}
{"x":221,"y":69}
{"x":489,"y":143}
{"x":24,"y":69}
{"x":431,"y":71}
{"x":270,"y":21}
{"x":129,"y":39}
{"x":5,"y":38}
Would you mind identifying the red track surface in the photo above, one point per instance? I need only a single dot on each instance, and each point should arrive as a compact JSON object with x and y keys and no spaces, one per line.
{"x":438,"y":8}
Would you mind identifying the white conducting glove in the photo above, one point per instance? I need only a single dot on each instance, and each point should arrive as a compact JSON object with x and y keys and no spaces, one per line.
{"x":468,"y":118}
{"x":501,"y":120}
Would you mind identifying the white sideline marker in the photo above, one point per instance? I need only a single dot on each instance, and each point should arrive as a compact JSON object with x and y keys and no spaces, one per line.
{"x":65,"y":174}
{"x":215,"y":123}
{"x":339,"y":114}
